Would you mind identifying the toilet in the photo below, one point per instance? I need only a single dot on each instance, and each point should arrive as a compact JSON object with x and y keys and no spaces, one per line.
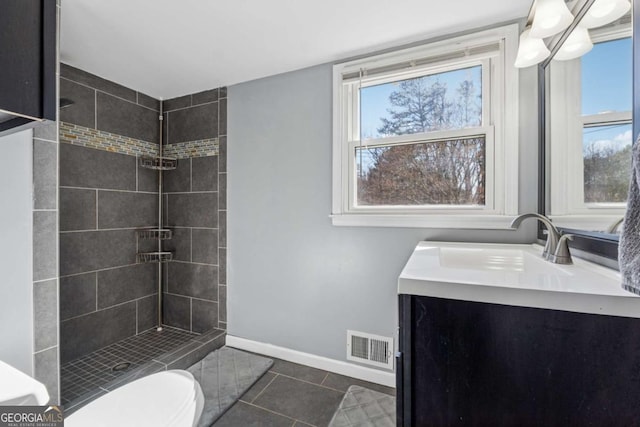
{"x":165,"y":399}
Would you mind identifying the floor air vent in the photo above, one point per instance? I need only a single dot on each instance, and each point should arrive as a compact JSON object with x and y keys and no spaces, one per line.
{"x":370,"y":349}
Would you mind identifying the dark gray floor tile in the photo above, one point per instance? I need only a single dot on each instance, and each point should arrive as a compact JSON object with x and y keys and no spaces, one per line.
{"x":45,"y":174}
{"x":205,"y":246}
{"x":222,"y":121}
{"x":45,"y":364}
{"x":222,"y":229}
{"x":99,"y":83}
{"x":95,"y":250}
{"x":175,"y":103}
{"x":177,"y":311}
{"x":180,"y":244}
{"x":47,"y":132}
{"x":222,"y":266}
{"x":204,"y":173}
{"x":222,"y":191}
{"x":179,"y":352}
{"x":77,"y":209}
{"x":342,"y":383}
{"x":193,"y":210}
{"x":148,"y":312}
{"x":198,"y":354}
{"x":148,"y":101}
{"x":193,"y":123}
{"x":45,"y":246}
{"x":210,"y":95}
{"x":89,"y":168}
{"x":123,"y":284}
{"x":194,"y":280}
{"x":209,"y":335}
{"x":301,"y":372}
{"x":258,"y":387}
{"x":83,"y":400}
{"x":83,"y":110}
{"x":147,"y":179}
{"x":45,"y":314}
{"x":204,"y":315}
{"x":242,"y":414}
{"x":178,"y":180}
{"x":145,"y":370}
{"x":300,"y":400}
{"x":124,"y":118}
{"x":82,"y":335}
{"x":77,"y":295}
{"x":222,"y":154}
{"x":222,"y":301}
{"x":118,"y":209}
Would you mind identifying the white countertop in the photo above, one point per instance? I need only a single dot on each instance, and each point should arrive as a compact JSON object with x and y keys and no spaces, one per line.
{"x":513,"y":274}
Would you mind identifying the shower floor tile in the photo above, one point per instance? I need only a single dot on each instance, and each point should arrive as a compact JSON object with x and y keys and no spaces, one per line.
{"x":87,"y":375}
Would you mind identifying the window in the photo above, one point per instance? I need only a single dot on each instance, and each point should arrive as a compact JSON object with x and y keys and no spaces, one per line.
{"x":590,"y":133}
{"x":420,"y":135}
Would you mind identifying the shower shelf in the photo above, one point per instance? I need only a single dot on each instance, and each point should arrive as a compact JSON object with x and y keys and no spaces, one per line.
{"x":149,"y":257}
{"x":158,"y":163}
{"x":154,"y":233}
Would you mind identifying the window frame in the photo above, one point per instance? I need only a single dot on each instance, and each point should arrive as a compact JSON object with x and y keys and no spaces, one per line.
{"x":499,"y":124}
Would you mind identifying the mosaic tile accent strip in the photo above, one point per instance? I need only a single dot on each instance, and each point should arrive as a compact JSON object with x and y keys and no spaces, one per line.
{"x":106,"y":141}
{"x":199,"y":148}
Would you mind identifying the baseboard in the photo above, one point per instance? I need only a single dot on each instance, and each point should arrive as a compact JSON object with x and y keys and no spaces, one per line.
{"x":336,"y":366}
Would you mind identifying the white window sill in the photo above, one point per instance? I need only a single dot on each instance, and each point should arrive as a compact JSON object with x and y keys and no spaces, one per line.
{"x":469,"y":222}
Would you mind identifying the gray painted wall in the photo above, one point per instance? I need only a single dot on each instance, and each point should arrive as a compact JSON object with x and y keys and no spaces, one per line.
{"x":16,"y":231}
{"x":294,"y":279}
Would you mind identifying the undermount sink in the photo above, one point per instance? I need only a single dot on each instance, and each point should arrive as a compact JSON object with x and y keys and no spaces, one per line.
{"x":18,"y":388}
{"x":514,"y":274}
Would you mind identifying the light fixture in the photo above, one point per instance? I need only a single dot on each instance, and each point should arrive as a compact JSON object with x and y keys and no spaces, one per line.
{"x":531,"y":50}
{"x":551,"y":17}
{"x":577,"y":44}
{"x":603,"y":12}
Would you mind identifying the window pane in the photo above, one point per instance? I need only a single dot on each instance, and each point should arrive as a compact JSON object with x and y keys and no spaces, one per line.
{"x":607,"y":163}
{"x":448,"y":172}
{"x":450,"y":100}
{"x":606,"y":77}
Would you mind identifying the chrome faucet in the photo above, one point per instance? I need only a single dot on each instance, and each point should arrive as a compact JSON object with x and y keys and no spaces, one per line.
{"x":553,"y":235}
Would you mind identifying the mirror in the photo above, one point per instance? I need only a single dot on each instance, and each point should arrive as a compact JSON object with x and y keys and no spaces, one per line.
{"x":586,"y":128}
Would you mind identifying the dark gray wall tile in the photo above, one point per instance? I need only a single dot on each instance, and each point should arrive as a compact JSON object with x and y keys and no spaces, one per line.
{"x":44,"y":245}
{"x":89,"y":168}
{"x":177,"y":311}
{"x":179,"y":179}
{"x":77,"y":209}
{"x":94,"y":250}
{"x":82,"y":335}
{"x":195,"y":280}
{"x":147,"y":179}
{"x":204,"y":315}
{"x":180,"y":244}
{"x":147,"y":312}
{"x":45,"y":174}
{"x":175,"y":103}
{"x":222,"y":300}
{"x":46,"y":371}
{"x":83,"y":110}
{"x":204,"y":97}
{"x":96,"y":82}
{"x":205,"y":246}
{"x":204,"y":173}
{"x":45,"y":314}
{"x":123,"y":284}
{"x":125,"y":118}
{"x":222,"y":192}
{"x":193,"y":210}
{"x":77,"y":295}
{"x":222,"y":156}
{"x":222,"y":120}
{"x":223,"y":92}
{"x":147,"y":245}
{"x":48,"y":132}
{"x":165,"y":126}
{"x":222,"y":266}
{"x":222,"y":229}
{"x":148,"y":101}
{"x":193,"y":123}
{"x":117,"y":209}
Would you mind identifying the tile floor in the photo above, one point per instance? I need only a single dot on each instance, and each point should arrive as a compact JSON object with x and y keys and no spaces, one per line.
{"x":292,"y":395}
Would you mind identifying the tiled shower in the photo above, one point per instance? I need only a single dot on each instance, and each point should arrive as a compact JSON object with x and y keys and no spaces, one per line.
{"x":108,"y":301}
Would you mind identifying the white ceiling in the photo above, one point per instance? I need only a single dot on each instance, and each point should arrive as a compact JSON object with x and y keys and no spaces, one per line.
{"x":168,"y":48}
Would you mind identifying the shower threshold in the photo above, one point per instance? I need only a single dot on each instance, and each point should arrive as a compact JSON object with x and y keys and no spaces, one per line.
{"x":93,"y":375}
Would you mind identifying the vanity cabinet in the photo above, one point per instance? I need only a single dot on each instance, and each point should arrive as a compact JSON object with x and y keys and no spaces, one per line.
{"x":463,"y":363}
